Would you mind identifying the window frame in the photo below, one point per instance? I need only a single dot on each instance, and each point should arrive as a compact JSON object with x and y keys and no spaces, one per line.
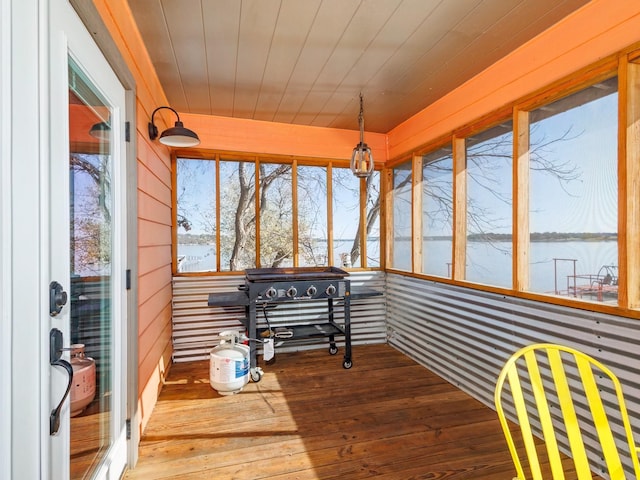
{"x":626,"y":65}
{"x":257,"y":160}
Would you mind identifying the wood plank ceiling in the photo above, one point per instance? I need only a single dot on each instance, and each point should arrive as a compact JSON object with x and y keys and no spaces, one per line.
{"x":306,"y":61}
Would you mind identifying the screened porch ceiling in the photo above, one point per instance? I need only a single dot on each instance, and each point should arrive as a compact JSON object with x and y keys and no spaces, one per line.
{"x":306,"y":61}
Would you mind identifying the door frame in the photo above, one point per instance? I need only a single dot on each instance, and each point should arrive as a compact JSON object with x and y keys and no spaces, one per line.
{"x":24,"y":102}
{"x":24,"y":91}
{"x":5,"y":240}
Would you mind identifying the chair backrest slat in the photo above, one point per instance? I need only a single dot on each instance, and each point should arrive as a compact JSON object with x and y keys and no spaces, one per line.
{"x":546,"y":421}
{"x":523,"y":420}
{"x":600,"y":420}
{"x":569,"y":415}
{"x":557,"y":392}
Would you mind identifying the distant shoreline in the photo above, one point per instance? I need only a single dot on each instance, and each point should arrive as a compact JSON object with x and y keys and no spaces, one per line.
{"x":204,"y":239}
{"x":536,"y":237}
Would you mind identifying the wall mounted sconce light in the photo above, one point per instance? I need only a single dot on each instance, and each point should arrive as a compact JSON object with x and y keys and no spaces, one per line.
{"x":176,"y":136}
{"x":101,"y":131}
{"x":361,"y":159}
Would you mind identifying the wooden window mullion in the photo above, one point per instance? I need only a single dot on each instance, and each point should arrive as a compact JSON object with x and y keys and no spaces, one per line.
{"x":330,"y":260}
{"x":257,"y":209}
{"x":363,"y":222}
{"x":521,"y":180}
{"x":416,"y":214}
{"x":628,"y":181}
{"x":459,"y":209}
{"x":218,"y":247}
{"x":294,"y":213}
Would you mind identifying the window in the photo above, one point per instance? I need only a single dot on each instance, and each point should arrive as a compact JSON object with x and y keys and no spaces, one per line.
{"x":237,"y":215}
{"x":574,"y":195}
{"x":437,"y":212}
{"x":401,"y":258}
{"x":196,"y":215}
{"x":346,"y":218}
{"x":216,"y":208}
{"x":373,"y":220}
{"x":489,"y":206}
{"x":312,"y":216}
{"x":276,"y":216}
{"x":91,"y":207}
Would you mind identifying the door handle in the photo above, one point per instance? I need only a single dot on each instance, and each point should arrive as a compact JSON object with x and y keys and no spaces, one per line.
{"x":56,"y":360}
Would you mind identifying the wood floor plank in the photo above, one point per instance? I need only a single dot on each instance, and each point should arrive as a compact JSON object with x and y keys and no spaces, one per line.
{"x":308,"y":418}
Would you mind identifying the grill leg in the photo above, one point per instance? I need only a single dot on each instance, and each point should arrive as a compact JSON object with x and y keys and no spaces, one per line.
{"x":252,"y":334}
{"x":347,"y":329}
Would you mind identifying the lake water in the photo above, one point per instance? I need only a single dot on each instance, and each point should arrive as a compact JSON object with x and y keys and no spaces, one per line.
{"x":202,"y":258}
{"x":491,"y":263}
{"x":487,"y":263}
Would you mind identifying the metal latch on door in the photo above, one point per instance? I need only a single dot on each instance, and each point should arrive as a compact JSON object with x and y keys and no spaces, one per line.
{"x":57,"y":299}
{"x":56,"y":360}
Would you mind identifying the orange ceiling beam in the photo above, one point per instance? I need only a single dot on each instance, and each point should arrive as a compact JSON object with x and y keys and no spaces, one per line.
{"x":256,"y":136}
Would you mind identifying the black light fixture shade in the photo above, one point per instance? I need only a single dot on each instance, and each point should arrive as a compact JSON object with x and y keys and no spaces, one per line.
{"x":101,"y":131}
{"x":176,"y":136}
{"x":361,"y":158}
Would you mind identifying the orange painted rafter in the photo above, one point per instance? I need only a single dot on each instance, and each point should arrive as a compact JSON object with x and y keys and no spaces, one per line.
{"x":242,"y":135}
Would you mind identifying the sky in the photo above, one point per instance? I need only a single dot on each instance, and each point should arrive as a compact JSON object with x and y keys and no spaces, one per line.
{"x":585,"y":204}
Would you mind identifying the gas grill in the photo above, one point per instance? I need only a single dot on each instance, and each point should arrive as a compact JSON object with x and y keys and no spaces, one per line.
{"x":295,"y":284}
{"x":268,"y":287}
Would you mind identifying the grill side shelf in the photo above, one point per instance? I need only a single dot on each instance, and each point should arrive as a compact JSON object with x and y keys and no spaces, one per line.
{"x":228,"y":299}
{"x":363,"y":292}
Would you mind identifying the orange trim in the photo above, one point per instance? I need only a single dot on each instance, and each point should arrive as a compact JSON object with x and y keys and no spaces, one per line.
{"x":256,"y":136}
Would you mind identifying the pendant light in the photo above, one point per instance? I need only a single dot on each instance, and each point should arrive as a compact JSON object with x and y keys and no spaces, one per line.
{"x":176,"y":136}
{"x":362,"y":158}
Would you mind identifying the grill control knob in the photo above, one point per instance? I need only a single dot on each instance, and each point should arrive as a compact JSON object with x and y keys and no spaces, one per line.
{"x":311,"y":291}
{"x":271,"y":292}
{"x":292,"y":292}
{"x":331,"y":290}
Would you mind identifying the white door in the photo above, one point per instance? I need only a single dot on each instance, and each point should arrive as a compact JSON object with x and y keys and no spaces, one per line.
{"x":86,"y":256}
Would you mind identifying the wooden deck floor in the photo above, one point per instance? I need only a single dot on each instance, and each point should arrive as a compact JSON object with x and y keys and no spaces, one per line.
{"x":308,"y":418}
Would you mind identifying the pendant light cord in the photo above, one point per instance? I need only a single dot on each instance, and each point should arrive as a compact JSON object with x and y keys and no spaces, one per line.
{"x":361,"y":120}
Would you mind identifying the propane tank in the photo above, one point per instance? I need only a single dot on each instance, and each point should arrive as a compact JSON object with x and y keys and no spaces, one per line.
{"x":229,"y":364}
{"x":83,"y":389}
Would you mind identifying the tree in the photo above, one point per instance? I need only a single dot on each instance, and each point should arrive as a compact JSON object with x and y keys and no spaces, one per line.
{"x":312,"y":215}
{"x":372,"y":216}
{"x":484,"y":163}
{"x":238,"y":219}
{"x":90,"y":215}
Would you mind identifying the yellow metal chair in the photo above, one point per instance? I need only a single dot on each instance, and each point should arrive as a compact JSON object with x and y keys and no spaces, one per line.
{"x":575,"y":404}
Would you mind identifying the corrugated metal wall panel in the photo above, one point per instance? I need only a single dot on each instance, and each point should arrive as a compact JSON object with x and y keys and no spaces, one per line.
{"x":466,"y":336}
{"x":196,"y":326}
{"x":463,"y":335}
